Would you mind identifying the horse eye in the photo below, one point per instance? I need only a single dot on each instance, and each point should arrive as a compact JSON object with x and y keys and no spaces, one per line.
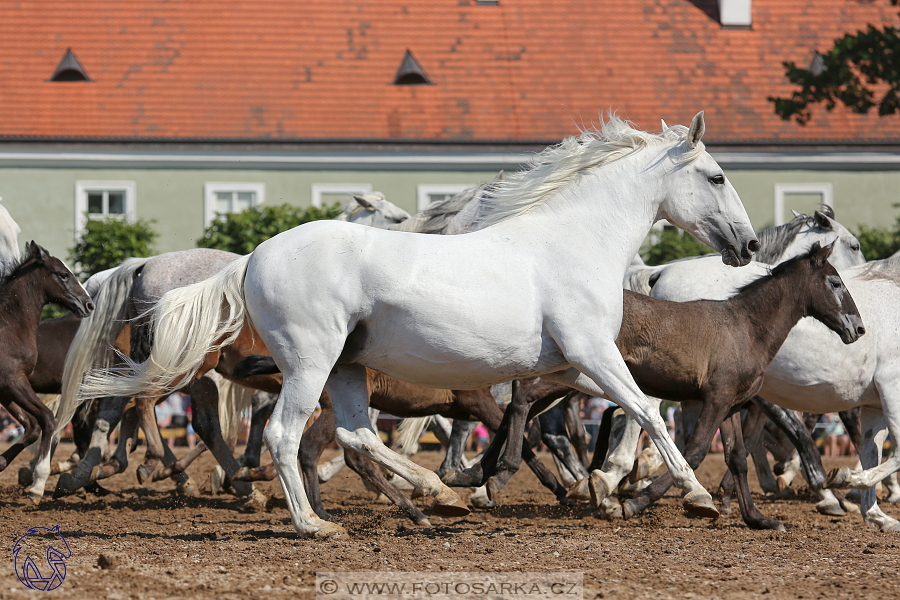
{"x":855,"y":247}
{"x":717,"y":179}
{"x":63,"y":276}
{"x":836,"y":285}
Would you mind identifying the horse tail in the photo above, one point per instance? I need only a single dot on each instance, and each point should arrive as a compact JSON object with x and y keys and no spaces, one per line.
{"x":640,"y":279}
{"x":92,"y":345}
{"x":187,"y":323}
{"x":408,"y":433}
{"x":234,"y":399}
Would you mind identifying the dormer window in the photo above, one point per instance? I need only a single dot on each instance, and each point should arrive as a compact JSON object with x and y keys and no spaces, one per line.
{"x":69,"y":69}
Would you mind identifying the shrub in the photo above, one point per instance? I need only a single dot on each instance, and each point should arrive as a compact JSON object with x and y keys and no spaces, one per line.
{"x":673,"y":244}
{"x":105,"y":243}
{"x":242,"y":232}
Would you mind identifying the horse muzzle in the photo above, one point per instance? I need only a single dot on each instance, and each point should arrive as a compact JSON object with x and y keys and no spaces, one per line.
{"x":734,"y":257}
{"x":852,"y":328}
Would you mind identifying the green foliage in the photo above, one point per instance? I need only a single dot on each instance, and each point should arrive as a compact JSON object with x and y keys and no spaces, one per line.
{"x":878,"y":242}
{"x":673,"y":244}
{"x":849,"y":69}
{"x":105,"y":243}
{"x":242,"y":232}
{"x":52,"y":311}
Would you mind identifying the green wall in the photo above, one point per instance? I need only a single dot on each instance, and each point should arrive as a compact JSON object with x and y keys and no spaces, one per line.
{"x":42,"y":200}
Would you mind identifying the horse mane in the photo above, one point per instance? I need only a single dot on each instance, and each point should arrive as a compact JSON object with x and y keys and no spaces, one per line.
{"x":14,"y":269}
{"x":438,"y":216}
{"x":775,"y":240}
{"x":887,"y":268}
{"x":349,"y":212}
{"x":556,"y":167}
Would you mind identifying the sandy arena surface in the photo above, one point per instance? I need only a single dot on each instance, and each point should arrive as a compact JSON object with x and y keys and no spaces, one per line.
{"x":168,"y":546}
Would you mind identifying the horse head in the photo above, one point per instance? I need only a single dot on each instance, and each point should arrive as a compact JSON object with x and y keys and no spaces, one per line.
{"x":373,"y":210}
{"x":9,"y":241}
{"x":60,"y":285}
{"x":828,"y":300}
{"x":697,"y":197}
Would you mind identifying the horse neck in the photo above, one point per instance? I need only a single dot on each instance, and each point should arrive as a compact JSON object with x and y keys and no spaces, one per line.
{"x":608,"y":211}
{"x":771,"y":310}
{"x":22,"y":299}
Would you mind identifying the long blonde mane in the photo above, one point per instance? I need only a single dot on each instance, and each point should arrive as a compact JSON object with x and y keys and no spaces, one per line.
{"x":558,"y":166}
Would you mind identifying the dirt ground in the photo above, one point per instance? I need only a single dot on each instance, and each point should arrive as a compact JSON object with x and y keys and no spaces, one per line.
{"x":169,"y":546}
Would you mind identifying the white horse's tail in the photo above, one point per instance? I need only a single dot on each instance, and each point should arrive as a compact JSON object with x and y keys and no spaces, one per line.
{"x":408,"y":433}
{"x":92,"y":345}
{"x":234,"y":399}
{"x":640,"y":279}
{"x":187,"y":323}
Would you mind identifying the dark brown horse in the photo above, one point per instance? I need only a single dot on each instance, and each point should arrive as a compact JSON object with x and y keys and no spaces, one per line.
{"x":38,"y":280}
{"x":713,"y":351}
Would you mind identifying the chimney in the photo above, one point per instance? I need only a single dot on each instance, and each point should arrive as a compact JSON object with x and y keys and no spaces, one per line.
{"x":735,"y":13}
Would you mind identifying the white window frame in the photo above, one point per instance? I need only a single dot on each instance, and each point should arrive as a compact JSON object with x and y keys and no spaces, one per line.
{"x":318,"y":189}
{"x":784,"y":189}
{"x":424,"y":191}
{"x":82,"y":188}
{"x":209,"y":196}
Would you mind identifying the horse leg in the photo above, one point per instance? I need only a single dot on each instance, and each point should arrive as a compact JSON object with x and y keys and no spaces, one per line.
{"x":258,"y":417}
{"x":851,"y":420}
{"x":299,"y":395}
{"x":753,"y":426}
{"x":146,"y":410}
{"x":320,"y":434}
{"x":118,"y":461}
{"x":459,"y":434}
{"x":347,"y":386}
{"x":572,"y":408}
{"x":41,"y":424}
{"x":625,"y":434}
{"x":374,"y":478}
{"x":556,"y":438}
{"x":109,"y":413}
{"x":29,"y":423}
{"x":736,"y":459}
{"x":810,"y":459}
{"x":714,"y":410}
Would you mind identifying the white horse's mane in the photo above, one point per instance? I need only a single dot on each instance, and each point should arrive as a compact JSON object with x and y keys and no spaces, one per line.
{"x":887,"y":268}
{"x":557,"y":166}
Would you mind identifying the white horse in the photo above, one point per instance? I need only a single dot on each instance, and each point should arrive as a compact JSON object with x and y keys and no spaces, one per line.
{"x":459,"y":312}
{"x":111,"y":290}
{"x":9,"y":241}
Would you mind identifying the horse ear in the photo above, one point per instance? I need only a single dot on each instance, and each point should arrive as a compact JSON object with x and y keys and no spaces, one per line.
{"x":823,"y":221}
{"x":819,"y":255}
{"x":827,"y":211}
{"x":364,"y":202}
{"x":37,"y":252}
{"x":795,"y":213}
{"x":664,"y":126}
{"x":698,"y":128}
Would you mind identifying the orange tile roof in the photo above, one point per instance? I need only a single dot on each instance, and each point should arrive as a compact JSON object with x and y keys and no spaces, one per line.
{"x":281,"y":70}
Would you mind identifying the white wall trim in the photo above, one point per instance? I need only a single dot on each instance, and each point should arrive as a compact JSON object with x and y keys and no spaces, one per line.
{"x":337,"y":188}
{"x":83,"y":187}
{"x":783,"y":189}
{"x":424,"y":190}
{"x":209,"y":196}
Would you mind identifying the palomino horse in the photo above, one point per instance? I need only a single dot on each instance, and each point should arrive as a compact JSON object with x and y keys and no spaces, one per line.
{"x":34,"y":282}
{"x":456,"y":312}
{"x":124,"y":293}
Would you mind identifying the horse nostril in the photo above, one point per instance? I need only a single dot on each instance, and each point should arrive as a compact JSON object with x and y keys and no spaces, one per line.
{"x":860,"y":330}
{"x":89,"y":306}
{"x":753,"y":246}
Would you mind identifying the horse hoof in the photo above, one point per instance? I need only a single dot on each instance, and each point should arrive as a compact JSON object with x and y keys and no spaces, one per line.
{"x":641,"y":470}
{"x":26,"y":476}
{"x":34,"y":497}
{"x":579,"y":491}
{"x":243,"y":474}
{"x":382,"y":499}
{"x":448,"y":504}
{"x":327,"y":531}
{"x":216,"y":478}
{"x":628,"y":509}
{"x":609,"y":509}
{"x":480,"y":499}
{"x":700,"y":503}
{"x":830,"y":507}
{"x":188,"y":488}
{"x":456,"y":478}
{"x":493,"y":489}
{"x":423,"y":522}
{"x":598,"y":490}
{"x":256,"y":501}
{"x":781,"y":483}
{"x":144,"y":473}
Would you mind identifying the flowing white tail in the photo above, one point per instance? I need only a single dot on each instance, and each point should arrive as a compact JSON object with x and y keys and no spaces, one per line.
{"x":187,"y":324}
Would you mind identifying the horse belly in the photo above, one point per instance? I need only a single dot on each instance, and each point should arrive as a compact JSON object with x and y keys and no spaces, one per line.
{"x":442,"y":356}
